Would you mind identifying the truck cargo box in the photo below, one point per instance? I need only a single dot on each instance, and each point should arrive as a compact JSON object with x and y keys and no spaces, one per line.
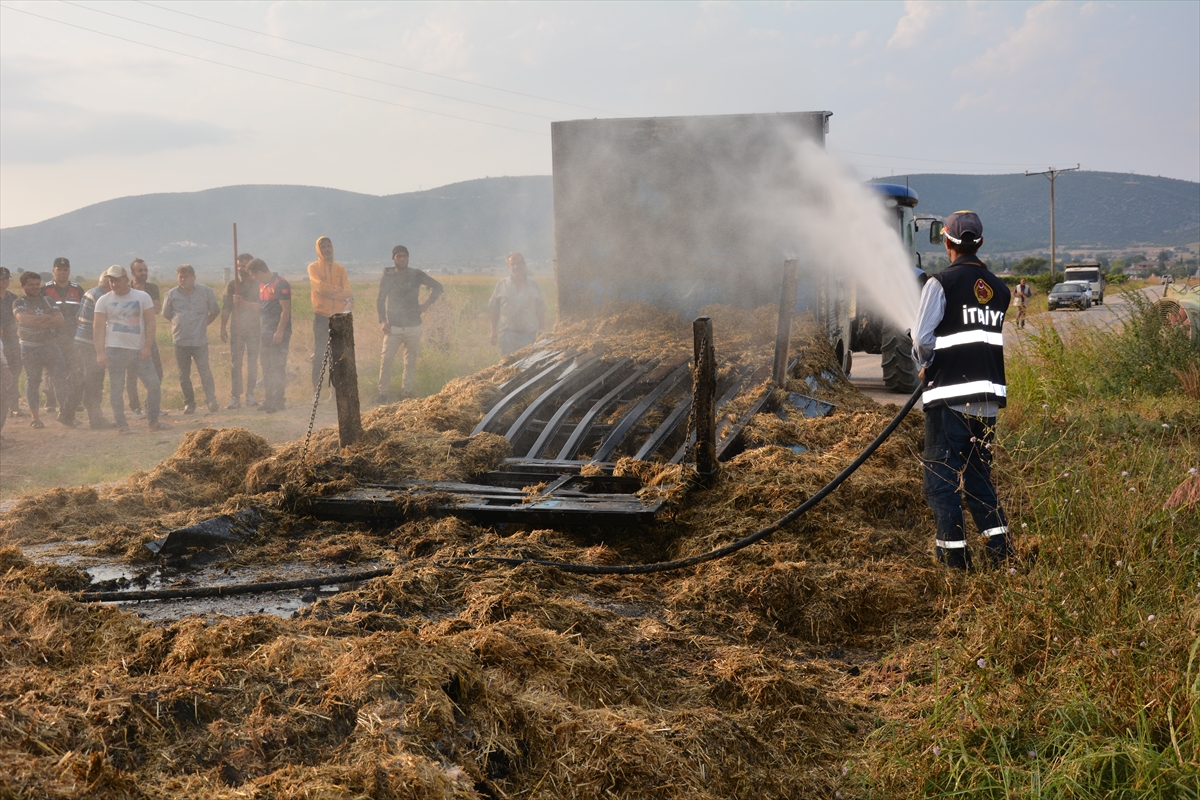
{"x":677,"y":212}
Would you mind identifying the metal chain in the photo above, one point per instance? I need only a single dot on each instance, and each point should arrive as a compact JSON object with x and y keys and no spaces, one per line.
{"x":312,"y":418}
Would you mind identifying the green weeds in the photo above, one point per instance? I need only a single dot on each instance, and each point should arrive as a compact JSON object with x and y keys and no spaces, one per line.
{"x":1076,"y":672}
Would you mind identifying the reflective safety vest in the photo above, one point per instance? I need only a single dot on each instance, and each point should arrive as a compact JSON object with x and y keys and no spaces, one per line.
{"x":968,"y":358}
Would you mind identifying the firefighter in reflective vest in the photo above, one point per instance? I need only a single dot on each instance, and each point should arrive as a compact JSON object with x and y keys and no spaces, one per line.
{"x":959,"y":346}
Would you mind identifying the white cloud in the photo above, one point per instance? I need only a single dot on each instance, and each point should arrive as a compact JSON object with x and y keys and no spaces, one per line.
{"x":861,"y":39}
{"x":917,"y":16}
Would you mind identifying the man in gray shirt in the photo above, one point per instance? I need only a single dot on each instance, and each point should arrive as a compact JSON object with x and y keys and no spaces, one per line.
{"x":400,"y":311}
{"x":192,"y":307}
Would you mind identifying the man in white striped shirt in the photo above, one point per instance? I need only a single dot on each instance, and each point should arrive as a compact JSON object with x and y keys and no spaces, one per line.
{"x":959,"y":345}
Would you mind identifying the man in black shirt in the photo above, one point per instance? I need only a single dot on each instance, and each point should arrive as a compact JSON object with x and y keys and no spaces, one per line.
{"x":400,"y":310}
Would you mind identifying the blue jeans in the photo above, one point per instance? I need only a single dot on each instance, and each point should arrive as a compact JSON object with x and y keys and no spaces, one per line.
{"x":39,"y":358}
{"x":958,"y":466}
{"x":121,"y":362}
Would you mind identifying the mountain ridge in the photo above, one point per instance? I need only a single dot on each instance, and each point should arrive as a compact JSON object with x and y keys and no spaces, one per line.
{"x":476,"y":223}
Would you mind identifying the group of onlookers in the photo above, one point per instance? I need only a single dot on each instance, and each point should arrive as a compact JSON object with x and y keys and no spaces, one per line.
{"x":73,"y":339}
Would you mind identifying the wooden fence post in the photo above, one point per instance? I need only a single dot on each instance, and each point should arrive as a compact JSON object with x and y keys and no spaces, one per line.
{"x":704,"y":398}
{"x":344,"y":375}
{"x":783,"y":331}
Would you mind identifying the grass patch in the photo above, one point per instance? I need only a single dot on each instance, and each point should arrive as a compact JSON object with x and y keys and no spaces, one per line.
{"x":1077,"y":673}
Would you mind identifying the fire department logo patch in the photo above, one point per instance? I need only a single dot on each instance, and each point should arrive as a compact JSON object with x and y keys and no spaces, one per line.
{"x":983,"y":292}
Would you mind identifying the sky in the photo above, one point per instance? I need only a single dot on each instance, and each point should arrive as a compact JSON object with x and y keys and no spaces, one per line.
{"x":104,"y":100}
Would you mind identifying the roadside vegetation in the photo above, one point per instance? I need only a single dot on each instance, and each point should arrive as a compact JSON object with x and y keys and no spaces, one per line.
{"x":1075,"y":674}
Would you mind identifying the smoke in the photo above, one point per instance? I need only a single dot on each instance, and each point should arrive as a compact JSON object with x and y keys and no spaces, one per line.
{"x":852,"y":235}
{"x":684,"y":212}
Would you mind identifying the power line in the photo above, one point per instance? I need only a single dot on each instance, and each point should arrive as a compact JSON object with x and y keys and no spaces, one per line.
{"x":933,"y":160}
{"x":301,"y":63}
{"x":923,"y":171}
{"x":373,"y":60}
{"x":269,"y":75}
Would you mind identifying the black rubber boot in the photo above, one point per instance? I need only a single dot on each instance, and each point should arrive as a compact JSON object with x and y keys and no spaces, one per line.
{"x":998,"y":550}
{"x":955,"y":557}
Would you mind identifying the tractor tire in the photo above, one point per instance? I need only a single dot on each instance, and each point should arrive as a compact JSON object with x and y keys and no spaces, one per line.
{"x":900,"y":372}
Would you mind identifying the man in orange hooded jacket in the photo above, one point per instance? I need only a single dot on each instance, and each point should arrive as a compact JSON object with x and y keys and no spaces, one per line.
{"x":330,"y":295}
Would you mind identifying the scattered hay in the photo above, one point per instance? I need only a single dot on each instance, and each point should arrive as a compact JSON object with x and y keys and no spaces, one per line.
{"x":484,"y":680}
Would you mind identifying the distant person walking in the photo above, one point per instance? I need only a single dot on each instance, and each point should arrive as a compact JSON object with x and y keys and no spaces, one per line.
{"x":242,"y":304}
{"x":330,"y":295}
{"x":959,"y":345}
{"x":518,"y":310}
{"x":192,"y":307}
{"x":91,"y":373}
{"x":8,"y":335}
{"x":67,"y":296}
{"x":275,"y":321}
{"x":122,"y":332}
{"x":1021,"y":295}
{"x":400,"y":310}
{"x":38,"y":325}
{"x":140,"y":280}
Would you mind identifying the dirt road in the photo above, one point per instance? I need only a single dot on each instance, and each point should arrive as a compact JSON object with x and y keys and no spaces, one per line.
{"x":31,"y":460}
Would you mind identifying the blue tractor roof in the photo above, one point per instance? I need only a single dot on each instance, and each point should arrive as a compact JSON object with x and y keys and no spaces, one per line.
{"x":904,"y":195}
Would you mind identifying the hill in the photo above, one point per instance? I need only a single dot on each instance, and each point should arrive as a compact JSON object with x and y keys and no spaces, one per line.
{"x":477,"y":222}
{"x":469,"y":223}
{"x":1106,"y":210}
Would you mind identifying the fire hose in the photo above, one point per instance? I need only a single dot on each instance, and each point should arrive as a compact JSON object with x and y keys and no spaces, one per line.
{"x":562,"y":566}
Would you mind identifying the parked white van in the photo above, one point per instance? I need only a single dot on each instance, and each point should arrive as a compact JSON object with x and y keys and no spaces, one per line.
{"x":1087,"y":272}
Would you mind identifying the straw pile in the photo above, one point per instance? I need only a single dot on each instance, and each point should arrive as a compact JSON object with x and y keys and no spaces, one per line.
{"x":734,"y":679}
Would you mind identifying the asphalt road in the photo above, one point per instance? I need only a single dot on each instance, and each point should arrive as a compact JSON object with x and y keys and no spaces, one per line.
{"x":867,"y":370}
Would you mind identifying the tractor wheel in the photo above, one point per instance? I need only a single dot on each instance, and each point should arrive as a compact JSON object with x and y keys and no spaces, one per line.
{"x":899,"y":369}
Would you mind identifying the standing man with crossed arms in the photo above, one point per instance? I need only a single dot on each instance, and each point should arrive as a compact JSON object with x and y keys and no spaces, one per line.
{"x":330,"y":295}
{"x":400,"y":311}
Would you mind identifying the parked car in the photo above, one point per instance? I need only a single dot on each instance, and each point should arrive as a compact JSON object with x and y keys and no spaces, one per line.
{"x":1069,"y":293}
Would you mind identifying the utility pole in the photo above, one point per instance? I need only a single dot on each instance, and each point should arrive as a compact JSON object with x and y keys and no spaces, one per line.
{"x":1051,"y":174}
